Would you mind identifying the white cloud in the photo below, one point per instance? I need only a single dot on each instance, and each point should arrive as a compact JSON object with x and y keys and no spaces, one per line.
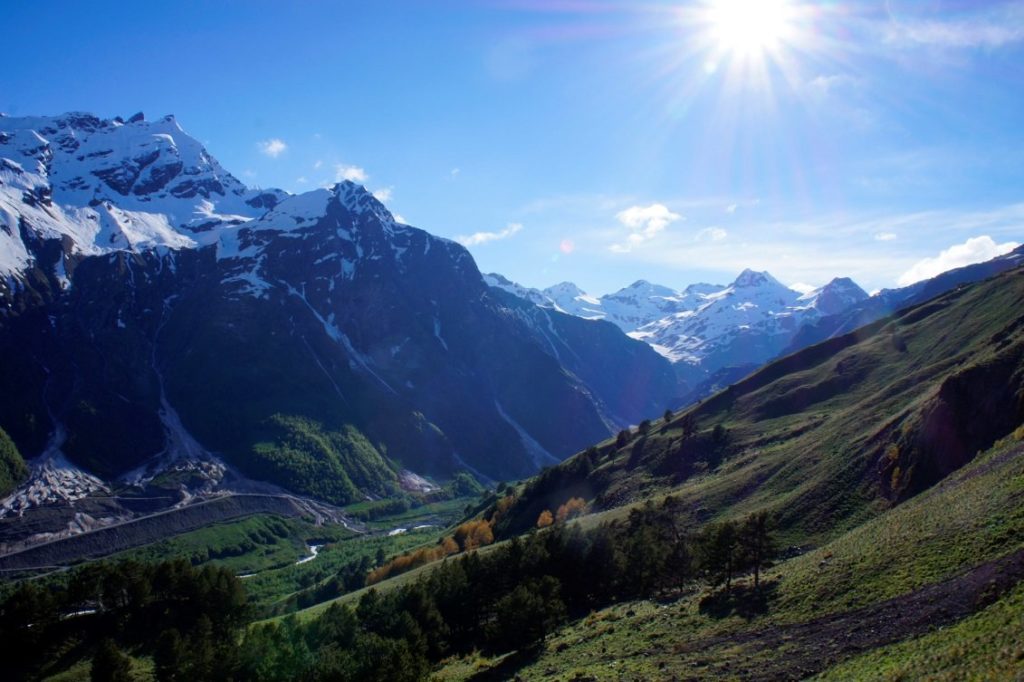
{"x":353,"y":173}
{"x":643,"y":223}
{"x":455,"y":172}
{"x":273,"y":147}
{"x":384,"y":194}
{"x":713,"y":234}
{"x":985,"y":25}
{"x":974,"y":250}
{"x":802,"y":288}
{"x":301,"y":180}
{"x":484,"y":237}
{"x":885,"y":236}
{"x":399,"y":218}
{"x":249,"y":173}
{"x":731,"y":208}
{"x":957,"y":34}
{"x":317,"y":164}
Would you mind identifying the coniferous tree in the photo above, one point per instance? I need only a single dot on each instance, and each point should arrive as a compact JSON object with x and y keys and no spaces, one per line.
{"x":109,"y":664}
{"x":757,"y":543}
{"x":718,"y":553}
{"x":168,"y":658}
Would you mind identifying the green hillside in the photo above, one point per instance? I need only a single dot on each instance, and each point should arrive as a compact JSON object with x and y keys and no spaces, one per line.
{"x":830,"y":436}
{"x":887,"y":468}
{"x":12,"y":467}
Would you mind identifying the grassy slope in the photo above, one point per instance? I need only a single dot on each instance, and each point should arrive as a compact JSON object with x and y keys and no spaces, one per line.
{"x":806,"y":434}
{"x":987,"y":646}
{"x":808,"y":440}
{"x":12,"y":467}
{"x":976,"y":515}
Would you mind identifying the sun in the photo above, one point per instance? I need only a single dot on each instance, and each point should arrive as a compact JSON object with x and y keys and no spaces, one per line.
{"x":749,"y":27}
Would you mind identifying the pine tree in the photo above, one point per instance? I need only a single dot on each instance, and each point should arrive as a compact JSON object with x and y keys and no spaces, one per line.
{"x":756,"y":542}
{"x":109,"y":664}
{"x":168,"y":659}
{"x":718,"y":554}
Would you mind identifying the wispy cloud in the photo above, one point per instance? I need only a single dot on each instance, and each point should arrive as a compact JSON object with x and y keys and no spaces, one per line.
{"x":827,"y":246}
{"x":885,"y":236}
{"x":994,"y":28}
{"x":974,"y":250}
{"x":644,"y":223}
{"x":713,"y":234}
{"x":478,"y":238}
{"x":384,"y":194}
{"x":272,"y":147}
{"x":353,"y":173}
{"x":454,"y":173}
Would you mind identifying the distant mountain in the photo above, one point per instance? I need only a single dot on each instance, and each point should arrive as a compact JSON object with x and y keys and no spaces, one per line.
{"x":154,"y":310}
{"x":832,"y":432}
{"x":843,"y":320}
{"x":716,"y":335}
{"x":709,"y":332}
{"x":629,"y":308}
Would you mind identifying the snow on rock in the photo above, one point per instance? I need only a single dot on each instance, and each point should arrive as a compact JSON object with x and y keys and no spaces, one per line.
{"x":108,"y":185}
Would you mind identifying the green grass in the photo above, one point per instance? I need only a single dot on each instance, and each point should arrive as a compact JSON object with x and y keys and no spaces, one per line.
{"x":266,"y":548}
{"x":12,"y":467}
{"x":142,"y":671}
{"x":248,"y":545}
{"x":272,"y":587}
{"x":986,"y":646}
{"x":974,"y":516}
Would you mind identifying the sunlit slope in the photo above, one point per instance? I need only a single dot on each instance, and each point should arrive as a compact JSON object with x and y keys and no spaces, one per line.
{"x":832,"y":435}
{"x":931,"y":587}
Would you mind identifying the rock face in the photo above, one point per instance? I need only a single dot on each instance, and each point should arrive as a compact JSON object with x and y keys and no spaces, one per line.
{"x":153,"y":307}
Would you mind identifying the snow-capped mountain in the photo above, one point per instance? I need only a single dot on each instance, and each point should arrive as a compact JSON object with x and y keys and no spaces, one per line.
{"x":705,"y":327}
{"x":147,"y":295}
{"x":629,"y":308}
{"x":833,"y":298}
{"x":113,"y":185}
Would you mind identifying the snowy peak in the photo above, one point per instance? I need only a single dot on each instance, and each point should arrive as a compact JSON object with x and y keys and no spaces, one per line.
{"x":107,"y":185}
{"x":564,"y":289}
{"x":702,"y":289}
{"x":643,"y":288}
{"x":569,"y":298}
{"x":749,"y":279}
{"x":834,"y":297}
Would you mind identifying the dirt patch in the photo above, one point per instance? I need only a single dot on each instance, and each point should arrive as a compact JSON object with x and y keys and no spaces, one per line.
{"x":804,"y":649}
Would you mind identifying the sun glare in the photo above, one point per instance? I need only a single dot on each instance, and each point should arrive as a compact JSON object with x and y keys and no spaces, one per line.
{"x":749,"y":27}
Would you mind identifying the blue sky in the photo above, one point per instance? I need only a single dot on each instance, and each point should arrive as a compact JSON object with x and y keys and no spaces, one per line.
{"x":598,"y":142}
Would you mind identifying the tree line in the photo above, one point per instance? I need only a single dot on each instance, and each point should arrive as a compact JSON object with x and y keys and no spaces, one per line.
{"x":186,"y":618}
{"x":509,"y":598}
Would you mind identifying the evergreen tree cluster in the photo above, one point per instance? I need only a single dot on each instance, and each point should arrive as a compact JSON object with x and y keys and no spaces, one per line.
{"x":110,"y":608}
{"x":509,"y":598}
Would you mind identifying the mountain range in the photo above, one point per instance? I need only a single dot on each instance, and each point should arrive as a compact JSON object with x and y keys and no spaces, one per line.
{"x":153,"y":309}
{"x":716,"y":334}
{"x":157,"y":313}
